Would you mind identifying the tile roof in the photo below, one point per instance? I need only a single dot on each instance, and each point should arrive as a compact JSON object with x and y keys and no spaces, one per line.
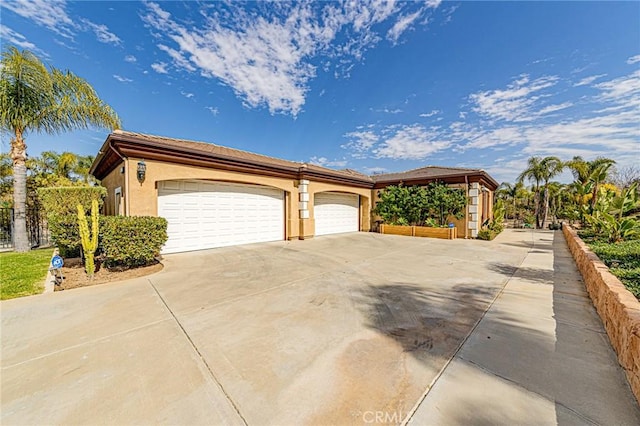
{"x":429,"y":172}
{"x":219,"y":150}
{"x":210,"y":150}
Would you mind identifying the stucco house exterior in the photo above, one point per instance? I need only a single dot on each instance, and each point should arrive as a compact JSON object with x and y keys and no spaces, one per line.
{"x":214,"y":196}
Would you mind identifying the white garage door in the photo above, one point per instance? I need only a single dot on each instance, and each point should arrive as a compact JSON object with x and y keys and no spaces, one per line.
{"x":204,"y":215}
{"x":335,"y":213}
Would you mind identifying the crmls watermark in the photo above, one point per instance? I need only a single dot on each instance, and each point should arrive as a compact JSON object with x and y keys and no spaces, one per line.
{"x":372,"y":417}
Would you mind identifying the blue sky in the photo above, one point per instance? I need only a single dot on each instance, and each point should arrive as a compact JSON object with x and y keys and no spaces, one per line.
{"x":373,"y":86}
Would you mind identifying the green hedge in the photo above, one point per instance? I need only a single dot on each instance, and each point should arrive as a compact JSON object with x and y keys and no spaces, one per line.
{"x":126,"y":242}
{"x":131,"y":241}
{"x":64,"y":200}
{"x":65,"y":233}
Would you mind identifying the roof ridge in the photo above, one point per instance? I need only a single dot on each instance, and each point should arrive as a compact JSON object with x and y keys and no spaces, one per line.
{"x":427,"y":167}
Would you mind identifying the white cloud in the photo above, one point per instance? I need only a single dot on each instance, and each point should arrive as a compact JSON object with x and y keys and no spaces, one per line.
{"x":588,"y":80}
{"x":360,"y":143}
{"x":553,"y":108}
{"x":324,"y":162}
{"x":431,"y":113}
{"x":213,"y":110}
{"x":402,"y":24}
{"x":373,"y":170}
{"x":122,"y":79}
{"x":179,"y":60}
{"x":413,"y":142}
{"x":102,"y":33}
{"x":17,"y":39}
{"x":516,"y":103}
{"x":269,"y":59}
{"x":602,"y":124}
{"x":622,"y":89}
{"x":160,"y":68}
{"x":633,"y":59}
{"x":130,"y":58}
{"x":52,"y":14}
{"x":187,"y":94}
{"x":390,"y":111}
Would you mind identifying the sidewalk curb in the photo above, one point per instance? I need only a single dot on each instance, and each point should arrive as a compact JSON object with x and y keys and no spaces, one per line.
{"x":50,"y":280}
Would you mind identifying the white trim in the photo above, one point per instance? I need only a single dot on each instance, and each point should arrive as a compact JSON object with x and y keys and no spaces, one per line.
{"x":116,"y":204}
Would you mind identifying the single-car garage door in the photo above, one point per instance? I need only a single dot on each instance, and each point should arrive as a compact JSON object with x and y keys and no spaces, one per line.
{"x":202,"y":214}
{"x":335,"y":212}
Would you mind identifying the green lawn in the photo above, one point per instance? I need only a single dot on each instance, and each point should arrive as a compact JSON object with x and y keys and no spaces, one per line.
{"x":23,"y":274}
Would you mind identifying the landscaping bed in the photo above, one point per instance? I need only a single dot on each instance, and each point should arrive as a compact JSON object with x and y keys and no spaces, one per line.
{"x":75,"y":275}
{"x":420,"y":231}
{"x":622,"y":259}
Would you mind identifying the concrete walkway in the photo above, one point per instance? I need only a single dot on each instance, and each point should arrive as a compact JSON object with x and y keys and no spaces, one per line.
{"x":538,"y":356}
{"x":354,"y":329}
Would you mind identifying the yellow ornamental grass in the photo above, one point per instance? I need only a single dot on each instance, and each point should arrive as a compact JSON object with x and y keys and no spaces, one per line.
{"x":89,"y":241}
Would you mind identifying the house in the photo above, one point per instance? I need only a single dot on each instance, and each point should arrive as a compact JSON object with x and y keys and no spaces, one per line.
{"x":214,"y":196}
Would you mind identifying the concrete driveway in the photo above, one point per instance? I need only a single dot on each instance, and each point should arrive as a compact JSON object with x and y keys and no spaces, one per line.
{"x":350,"y":329}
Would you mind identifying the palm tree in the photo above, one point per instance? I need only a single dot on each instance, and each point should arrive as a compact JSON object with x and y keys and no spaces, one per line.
{"x":34,"y":98}
{"x":82,"y":167}
{"x":595,"y":171}
{"x":535,"y":174}
{"x":557,"y":196}
{"x":551,"y":167}
{"x":511,"y":193}
{"x":598,"y":176}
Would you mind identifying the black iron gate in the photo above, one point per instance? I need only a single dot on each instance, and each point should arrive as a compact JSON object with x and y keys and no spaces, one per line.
{"x":37,"y":228}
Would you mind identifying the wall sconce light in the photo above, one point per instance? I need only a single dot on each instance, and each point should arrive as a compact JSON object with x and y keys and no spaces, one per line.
{"x":142,"y":171}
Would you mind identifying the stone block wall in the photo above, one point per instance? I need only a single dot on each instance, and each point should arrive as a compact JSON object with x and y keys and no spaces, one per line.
{"x":617,"y":307}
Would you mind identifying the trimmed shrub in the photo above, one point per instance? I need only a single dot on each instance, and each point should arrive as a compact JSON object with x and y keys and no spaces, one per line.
{"x":130,"y":242}
{"x":126,"y":242}
{"x":63,"y":200}
{"x":65,"y":233}
{"x":486,"y":234}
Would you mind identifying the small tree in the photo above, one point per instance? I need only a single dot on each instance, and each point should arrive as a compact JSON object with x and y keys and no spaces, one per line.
{"x":401,"y":205}
{"x":416,"y":205}
{"x":89,"y":240}
{"x":443,"y":201}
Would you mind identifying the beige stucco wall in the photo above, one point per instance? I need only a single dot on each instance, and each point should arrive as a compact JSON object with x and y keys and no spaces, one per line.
{"x":307,"y":226}
{"x":112,"y":181}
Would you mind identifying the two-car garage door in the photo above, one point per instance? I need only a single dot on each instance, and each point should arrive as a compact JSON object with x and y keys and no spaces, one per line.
{"x":204,"y":215}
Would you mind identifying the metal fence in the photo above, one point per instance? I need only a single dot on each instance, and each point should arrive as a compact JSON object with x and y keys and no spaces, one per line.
{"x":37,"y":228}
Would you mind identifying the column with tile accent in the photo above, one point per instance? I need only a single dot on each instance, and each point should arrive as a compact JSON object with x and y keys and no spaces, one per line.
{"x":474,"y":197}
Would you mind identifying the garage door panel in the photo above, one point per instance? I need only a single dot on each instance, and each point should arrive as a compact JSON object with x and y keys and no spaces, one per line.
{"x":336,"y":213}
{"x":213,"y":214}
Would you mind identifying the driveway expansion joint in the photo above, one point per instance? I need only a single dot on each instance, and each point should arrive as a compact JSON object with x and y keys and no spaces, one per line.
{"x":88,"y":342}
{"x":202,"y":359}
{"x":431,"y":385}
{"x":519,"y":385}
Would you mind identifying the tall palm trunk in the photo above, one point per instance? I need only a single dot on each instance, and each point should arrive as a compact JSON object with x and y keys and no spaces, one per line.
{"x":545,"y":212}
{"x":536,"y":205}
{"x":19,"y":157}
